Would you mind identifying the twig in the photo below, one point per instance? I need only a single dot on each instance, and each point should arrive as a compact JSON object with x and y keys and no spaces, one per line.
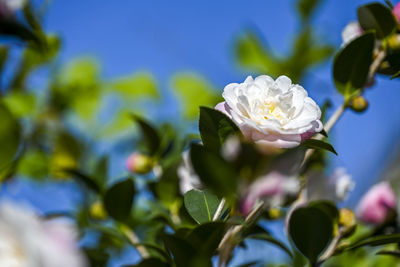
{"x":135,"y":241}
{"x":331,"y":249}
{"x":218,"y":212}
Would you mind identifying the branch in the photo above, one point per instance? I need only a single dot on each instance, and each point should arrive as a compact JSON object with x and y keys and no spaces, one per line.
{"x":218,"y":212}
{"x":135,"y":241}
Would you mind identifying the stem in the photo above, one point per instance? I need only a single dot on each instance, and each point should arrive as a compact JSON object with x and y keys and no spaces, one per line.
{"x":218,"y":212}
{"x":135,"y":241}
{"x":331,"y":249}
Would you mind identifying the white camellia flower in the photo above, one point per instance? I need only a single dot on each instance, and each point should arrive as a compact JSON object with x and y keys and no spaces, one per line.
{"x":351,"y":32}
{"x":188,"y":178}
{"x":272,"y":113}
{"x":335,"y":188}
{"x":8,"y":7}
{"x":29,"y":241}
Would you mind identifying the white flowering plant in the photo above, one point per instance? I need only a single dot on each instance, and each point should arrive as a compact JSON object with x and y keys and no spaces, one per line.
{"x":261,"y":155}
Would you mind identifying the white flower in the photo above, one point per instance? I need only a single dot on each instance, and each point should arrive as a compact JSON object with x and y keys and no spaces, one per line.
{"x":273,"y":114}
{"x":29,"y":241}
{"x":188,"y":178}
{"x":351,"y":32}
{"x":335,"y":188}
{"x":273,"y":188}
{"x":8,"y":7}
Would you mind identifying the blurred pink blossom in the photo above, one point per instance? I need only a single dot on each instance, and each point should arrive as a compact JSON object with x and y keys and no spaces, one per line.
{"x":396,"y":12}
{"x":273,"y":188}
{"x":376,"y":204}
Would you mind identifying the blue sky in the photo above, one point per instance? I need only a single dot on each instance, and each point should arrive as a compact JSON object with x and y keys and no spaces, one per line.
{"x":165,"y":37}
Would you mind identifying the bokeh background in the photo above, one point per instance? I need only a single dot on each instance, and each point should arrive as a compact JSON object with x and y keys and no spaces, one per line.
{"x":167,"y":40}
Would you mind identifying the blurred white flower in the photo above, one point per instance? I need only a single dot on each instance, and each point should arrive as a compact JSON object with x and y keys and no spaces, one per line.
{"x":335,"y":188}
{"x":231,"y":148}
{"x":273,"y":188}
{"x":188,"y":178}
{"x":273,"y":113}
{"x":29,"y":241}
{"x":351,"y":32}
{"x":8,"y":7}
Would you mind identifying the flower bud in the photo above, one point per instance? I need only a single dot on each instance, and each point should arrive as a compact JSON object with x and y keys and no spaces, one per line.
{"x":346,"y":218}
{"x":394,"y":42}
{"x":97,"y":211}
{"x":139,"y":163}
{"x":396,"y":12}
{"x":377,"y":205}
{"x":358,"y":104}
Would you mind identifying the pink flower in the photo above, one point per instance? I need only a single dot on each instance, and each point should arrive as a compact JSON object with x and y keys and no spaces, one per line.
{"x":396,"y":12}
{"x":274,"y":114}
{"x":376,"y":204}
{"x":272,"y":188}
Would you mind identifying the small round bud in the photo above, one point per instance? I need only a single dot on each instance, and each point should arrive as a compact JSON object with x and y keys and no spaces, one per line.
{"x":394,"y":42}
{"x":346,"y":218}
{"x":358,"y":104}
{"x":274,"y":213}
{"x":97,"y":211}
{"x":139,"y":163}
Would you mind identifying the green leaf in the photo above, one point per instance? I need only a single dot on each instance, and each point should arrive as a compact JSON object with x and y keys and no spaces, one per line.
{"x":12,"y":28}
{"x":118,"y":199}
{"x":151,"y":137}
{"x":311,"y":230}
{"x":394,"y":253}
{"x":215,"y":127}
{"x":319,"y":144}
{"x":214,"y":171}
{"x":136,"y":85}
{"x":351,"y":65}
{"x":85,"y":179}
{"x":396,"y":75}
{"x":378,"y":17}
{"x":376,"y":241}
{"x":209,"y":235}
{"x":151,"y":262}
{"x":307,"y":7}
{"x":326,"y":206}
{"x":10,"y":135}
{"x":201,"y":205}
{"x":193,"y":91}
{"x":270,"y":239}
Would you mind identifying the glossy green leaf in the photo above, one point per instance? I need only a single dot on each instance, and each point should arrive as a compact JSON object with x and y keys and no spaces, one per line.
{"x":311,"y":230}
{"x":376,"y":241}
{"x":351,"y":65}
{"x":10,"y":135}
{"x":118,"y":199}
{"x":201,"y":205}
{"x":214,"y":171}
{"x":319,"y":144}
{"x":85,"y":179}
{"x":215,"y":127}
{"x":194,"y":91}
{"x":376,"y":16}
{"x":150,"y":135}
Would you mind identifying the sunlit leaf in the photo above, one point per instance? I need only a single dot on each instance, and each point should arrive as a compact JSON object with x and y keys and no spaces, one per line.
{"x":136,"y":85}
{"x":193,"y":91}
{"x":10,"y":134}
{"x":201,"y":205}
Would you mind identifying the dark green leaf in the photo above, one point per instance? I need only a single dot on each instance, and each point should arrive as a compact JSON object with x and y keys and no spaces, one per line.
{"x":201,"y":205}
{"x":151,"y":262}
{"x":85,"y":179}
{"x":396,"y":75}
{"x":394,"y":253}
{"x":306,"y":8}
{"x":272,"y":240}
{"x":9,"y":136}
{"x":215,"y":127}
{"x":311,"y":230}
{"x":351,"y":65}
{"x":319,"y":144}
{"x":150,"y":135}
{"x":326,"y":206}
{"x":376,"y":241}
{"x":213,"y":170}
{"x":118,"y":199}
{"x":12,"y":28}
{"x":378,"y":17}
{"x":209,"y":235}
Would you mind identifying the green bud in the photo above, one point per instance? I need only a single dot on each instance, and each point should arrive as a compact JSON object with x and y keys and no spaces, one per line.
{"x":358,"y":104}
